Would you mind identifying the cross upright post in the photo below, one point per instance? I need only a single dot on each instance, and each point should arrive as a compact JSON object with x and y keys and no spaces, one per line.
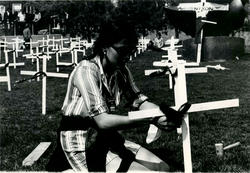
{"x":44,"y":83}
{"x":180,"y":94}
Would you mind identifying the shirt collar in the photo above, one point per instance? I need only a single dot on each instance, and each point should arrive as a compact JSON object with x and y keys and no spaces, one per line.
{"x":98,"y":61}
{"x":103,"y":76}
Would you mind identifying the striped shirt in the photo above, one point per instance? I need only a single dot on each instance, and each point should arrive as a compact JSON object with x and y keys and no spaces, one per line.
{"x":96,"y":96}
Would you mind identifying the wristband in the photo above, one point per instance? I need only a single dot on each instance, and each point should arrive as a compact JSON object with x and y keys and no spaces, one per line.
{"x":142,"y":103}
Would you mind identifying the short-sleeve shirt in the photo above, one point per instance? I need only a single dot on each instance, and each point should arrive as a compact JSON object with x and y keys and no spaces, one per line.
{"x":99,"y":95}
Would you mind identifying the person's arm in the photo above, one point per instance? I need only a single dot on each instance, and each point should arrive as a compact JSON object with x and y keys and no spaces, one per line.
{"x":87,"y":82}
{"x":142,"y":102}
{"x":114,"y":121}
{"x":148,"y":105}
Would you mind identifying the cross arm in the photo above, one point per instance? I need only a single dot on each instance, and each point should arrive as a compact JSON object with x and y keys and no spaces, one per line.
{"x":49,"y":74}
{"x":187,"y":71}
{"x":197,"y":107}
{"x":208,"y":6}
{"x":4,"y":66}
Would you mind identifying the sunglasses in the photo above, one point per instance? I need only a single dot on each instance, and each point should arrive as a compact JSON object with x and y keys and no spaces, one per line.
{"x":124,"y":51}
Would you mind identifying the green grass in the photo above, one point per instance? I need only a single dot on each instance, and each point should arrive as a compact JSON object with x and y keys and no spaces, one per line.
{"x":23,"y":126}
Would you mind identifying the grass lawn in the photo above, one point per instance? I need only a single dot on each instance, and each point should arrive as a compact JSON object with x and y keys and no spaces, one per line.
{"x":23,"y":126}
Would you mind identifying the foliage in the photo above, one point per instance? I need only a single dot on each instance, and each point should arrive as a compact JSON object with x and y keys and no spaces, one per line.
{"x":86,"y":16}
{"x":145,"y":14}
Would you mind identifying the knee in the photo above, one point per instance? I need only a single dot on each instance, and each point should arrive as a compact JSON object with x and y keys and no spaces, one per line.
{"x":151,"y":161}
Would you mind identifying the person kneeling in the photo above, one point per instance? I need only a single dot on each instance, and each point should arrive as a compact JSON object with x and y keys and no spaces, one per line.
{"x":88,"y":137}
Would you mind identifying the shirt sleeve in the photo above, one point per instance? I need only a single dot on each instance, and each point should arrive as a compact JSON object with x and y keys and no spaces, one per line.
{"x":132,"y":93}
{"x":87,"y":80}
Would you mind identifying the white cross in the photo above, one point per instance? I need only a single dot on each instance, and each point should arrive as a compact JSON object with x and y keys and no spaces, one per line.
{"x":16,"y":45}
{"x":31,"y":53}
{"x":174,"y":64}
{"x":46,"y":44}
{"x":32,"y":43}
{"x":3,"y":44}
{"x":76,"y":45}
{"x":172,"y":57}
{"x":172,"y":52}
{"x":34,"y":56}
{"x":14,"y":51}
{"x":142,"y":44}
{"x":172,"y":44}
{"x":73,"y":50}
{"x":36,"y":154}
{"x":7,"y":77}
{"x":44,"y":80}
{"x":180,"y":91}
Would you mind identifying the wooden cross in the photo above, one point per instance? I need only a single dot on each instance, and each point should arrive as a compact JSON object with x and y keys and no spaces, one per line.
{"x":59,"y":51}
{"x":36,"y":154}
{"x":33,"y":44}
{"x":79,"y":46}
{"x":3,"y":45}
{"x":172,"y":53}
{"x":16,"y":45}
{"x":34,"y":56}
{"x":87,"y":44}
{"x":62,"y":41}
{"x":76,"y":45}
{"x":172,"y":57}
{"x":172,"y":42}
{"x":44,"y":80}
{"x":14,"y":51}
{"x":180,"y":91}
{"x":31,"y":53}
{"x":173,"y":64}
{"x":45,"y":43}
{"x":6,"y":66}
{"x":142,"y":44}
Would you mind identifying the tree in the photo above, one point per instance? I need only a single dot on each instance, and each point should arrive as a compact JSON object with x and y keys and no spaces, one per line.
{"x":86,"y":16}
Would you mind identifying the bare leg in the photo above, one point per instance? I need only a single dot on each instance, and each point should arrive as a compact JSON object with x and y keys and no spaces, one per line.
{"x":145,"y":160}
{"x":114,"y":161}
{"x":151,"y":161}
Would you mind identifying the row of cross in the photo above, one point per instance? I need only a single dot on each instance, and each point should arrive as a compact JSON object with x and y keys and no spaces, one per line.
{"x":43,"y":50}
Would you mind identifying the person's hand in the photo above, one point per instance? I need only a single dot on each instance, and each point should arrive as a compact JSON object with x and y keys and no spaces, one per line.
{"x":172,"y":119}
{"x":163,"y":123}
